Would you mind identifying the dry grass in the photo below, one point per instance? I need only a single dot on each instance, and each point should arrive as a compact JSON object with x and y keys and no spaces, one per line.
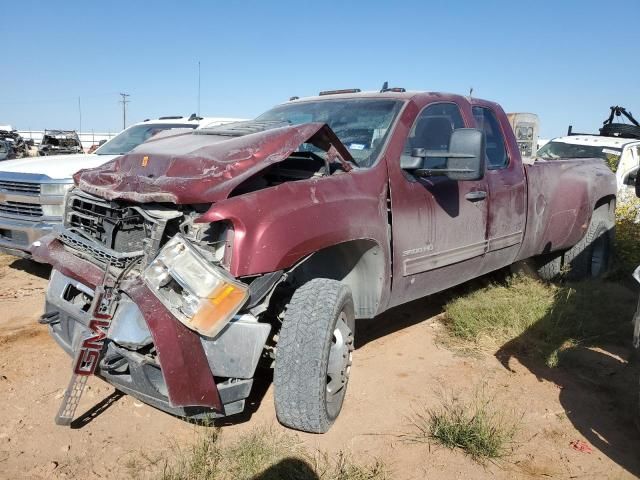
{"x":539,"y":318}
{"x":261,"y":454}
{"x":477,"y":427}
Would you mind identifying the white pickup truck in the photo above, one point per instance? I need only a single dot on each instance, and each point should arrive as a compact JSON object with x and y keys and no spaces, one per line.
{"x":32,"y":189}
{"x":621,"y":154}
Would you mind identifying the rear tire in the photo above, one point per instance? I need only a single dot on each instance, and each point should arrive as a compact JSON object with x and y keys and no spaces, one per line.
{"x":590,"y":257}
{"x":313,"y":356}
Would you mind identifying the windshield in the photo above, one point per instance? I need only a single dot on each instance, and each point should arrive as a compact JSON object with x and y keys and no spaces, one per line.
{"x":361,"y":125}
{"x":554,"y":150}
{"x":129,"y":139}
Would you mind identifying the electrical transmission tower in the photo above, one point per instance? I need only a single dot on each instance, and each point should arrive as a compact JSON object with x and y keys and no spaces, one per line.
{"x":124,"y":102}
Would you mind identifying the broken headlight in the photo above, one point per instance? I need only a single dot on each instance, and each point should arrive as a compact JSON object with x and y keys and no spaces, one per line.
{"x":200,"y":295}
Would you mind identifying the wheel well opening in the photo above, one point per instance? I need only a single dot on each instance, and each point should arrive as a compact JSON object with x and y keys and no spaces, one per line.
{"x":358,"y":264}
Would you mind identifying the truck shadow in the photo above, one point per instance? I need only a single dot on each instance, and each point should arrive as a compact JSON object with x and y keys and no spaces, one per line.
{"x":288,"y":468}
{"x":597,"y":379}
{"x":404,"y":316}
{"x":31,"y":267}
{"x":261,"y":383}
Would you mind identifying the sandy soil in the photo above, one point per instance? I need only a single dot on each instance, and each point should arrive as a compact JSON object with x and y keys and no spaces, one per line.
{"x":399,"y":368}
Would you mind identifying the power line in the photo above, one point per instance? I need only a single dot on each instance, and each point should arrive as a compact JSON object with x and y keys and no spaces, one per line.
{"x":124,"y":102}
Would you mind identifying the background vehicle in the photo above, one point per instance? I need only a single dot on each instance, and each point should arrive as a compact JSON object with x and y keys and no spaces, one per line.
{"x":32,"y":189}
{"x":618,"y":144}
{"x":267,"y":239}
{"x":12,"y":144}
{"x":60,"y":142}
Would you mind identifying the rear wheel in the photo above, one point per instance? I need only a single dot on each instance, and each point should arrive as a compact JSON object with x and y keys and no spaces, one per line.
{"x":314,"y":355}
{"x":590,"y":257}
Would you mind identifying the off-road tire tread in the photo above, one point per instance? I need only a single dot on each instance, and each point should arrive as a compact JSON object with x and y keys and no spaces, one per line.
{"x":550,"y":266}
{"x":579,"y":263}
{"x":302,"y":354}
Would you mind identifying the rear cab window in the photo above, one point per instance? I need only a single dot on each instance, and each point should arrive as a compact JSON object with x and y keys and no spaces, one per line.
{"x":496,"y":147}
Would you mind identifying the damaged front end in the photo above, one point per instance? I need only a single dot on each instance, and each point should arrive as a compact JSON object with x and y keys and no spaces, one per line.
{"x":184,"y":334}
{"x":176,"y":340}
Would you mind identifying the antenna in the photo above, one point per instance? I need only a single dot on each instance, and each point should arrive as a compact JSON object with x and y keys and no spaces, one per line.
{"x":470,"y":92}
{"x":124,"y":102}
{"x":198,"y":87}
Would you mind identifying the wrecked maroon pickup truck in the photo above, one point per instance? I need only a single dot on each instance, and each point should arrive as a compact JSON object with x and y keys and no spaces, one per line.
{"x":185,"y":264}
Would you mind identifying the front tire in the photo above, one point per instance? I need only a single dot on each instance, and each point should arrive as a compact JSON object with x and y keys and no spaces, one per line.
{"x":314,"y":355}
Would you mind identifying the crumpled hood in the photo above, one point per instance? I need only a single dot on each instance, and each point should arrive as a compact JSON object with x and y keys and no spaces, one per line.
{"x":57,"y":166}
{"x":199,"y":167}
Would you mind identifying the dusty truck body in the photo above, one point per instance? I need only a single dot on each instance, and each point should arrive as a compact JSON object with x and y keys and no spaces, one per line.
{"x":262,"y":242}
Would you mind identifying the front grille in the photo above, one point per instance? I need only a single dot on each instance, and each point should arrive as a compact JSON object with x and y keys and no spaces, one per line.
{"x":21,"y":209}
{"x":120,"y":228}
{"x":93,"y":251}
{"x":20,"y":187}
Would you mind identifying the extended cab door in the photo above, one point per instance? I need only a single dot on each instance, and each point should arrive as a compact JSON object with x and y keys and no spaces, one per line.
{"x":507,"y":186}
{"x":439,"y":226}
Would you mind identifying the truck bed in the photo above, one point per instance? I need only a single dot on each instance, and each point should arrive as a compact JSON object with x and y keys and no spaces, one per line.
{"x":562,"y":193}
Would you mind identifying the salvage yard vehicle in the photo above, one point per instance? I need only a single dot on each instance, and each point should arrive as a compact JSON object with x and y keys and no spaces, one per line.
{"x":186,"y":263}
{"x":60,"y":142}
{"x":14,"y":146}
{"x":32,"y":189}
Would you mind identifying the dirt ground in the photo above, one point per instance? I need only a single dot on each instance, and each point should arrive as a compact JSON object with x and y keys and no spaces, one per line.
{"x":399,"y":367}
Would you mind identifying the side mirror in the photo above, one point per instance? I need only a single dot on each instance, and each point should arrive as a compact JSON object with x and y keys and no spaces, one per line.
{"x":465,"y":159}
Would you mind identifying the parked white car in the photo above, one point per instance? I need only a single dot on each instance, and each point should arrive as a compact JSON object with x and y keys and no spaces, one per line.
{"x":32,"y":189}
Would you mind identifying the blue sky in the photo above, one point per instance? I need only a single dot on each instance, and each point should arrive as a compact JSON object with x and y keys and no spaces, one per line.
{"x":568,"y":61}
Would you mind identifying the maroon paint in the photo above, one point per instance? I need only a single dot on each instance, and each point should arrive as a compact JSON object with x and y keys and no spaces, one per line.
{"x":551,"y":202}
{"x":278,"y":226}
{"x":51,"y":251}
{"x":184,"y":364}
{"x":200,"y":168}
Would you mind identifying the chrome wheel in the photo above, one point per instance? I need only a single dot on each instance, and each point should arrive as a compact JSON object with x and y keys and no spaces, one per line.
{"x":340,"y":358}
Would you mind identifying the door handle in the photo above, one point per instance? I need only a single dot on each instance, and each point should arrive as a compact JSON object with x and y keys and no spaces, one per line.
{"x":476,"y":196}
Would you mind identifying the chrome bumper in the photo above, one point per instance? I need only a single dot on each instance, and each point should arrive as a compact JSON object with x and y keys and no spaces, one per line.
{"x":17,"y":236}
{"x":22,"y":220}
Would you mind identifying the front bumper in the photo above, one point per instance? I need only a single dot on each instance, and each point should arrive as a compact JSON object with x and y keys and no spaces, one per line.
{"x":17,"y":236}
{"x":191,"y":376}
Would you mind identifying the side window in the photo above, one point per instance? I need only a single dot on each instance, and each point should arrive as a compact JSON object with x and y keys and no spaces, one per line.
{"x":496,"y":149}
{"x":432,"y":131}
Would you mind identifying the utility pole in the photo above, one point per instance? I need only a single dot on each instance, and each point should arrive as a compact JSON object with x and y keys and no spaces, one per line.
{"x":198,"y":87}
{"x":124,"y":102}
{"x":80,"y":113}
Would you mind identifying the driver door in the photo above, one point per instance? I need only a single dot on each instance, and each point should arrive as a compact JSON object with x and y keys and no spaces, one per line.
{"x":439,"y":225}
